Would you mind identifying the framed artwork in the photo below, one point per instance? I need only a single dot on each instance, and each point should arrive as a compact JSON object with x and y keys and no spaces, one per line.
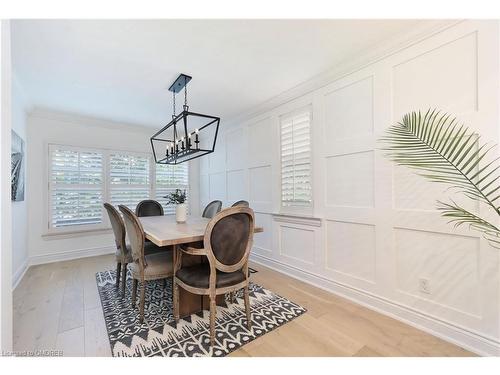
{"x":17,"y":168}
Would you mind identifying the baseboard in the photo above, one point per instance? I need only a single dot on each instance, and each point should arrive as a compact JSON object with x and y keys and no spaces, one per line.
{"x":70,"y":255}
{"x":18,"y":275}
{"x":472,"y":341}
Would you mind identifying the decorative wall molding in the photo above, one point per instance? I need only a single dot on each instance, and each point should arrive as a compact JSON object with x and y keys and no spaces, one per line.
{"x":461,"y":336}
{"x":70,"y":255}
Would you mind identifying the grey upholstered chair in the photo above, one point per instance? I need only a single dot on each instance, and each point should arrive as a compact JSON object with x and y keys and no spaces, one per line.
{"x":226,"y":244}
{"x":145,"y":267}
{"x":241,"y":204}
{"x":211,"y":209}
{"x":149,"y":207}
{"x":123,"y":251}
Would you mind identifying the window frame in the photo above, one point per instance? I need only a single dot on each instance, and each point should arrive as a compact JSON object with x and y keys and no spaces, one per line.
{"x":106,"y":186}
{"x":296,"y":209}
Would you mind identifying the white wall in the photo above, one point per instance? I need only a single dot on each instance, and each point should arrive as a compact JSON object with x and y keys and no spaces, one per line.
{"x":20,"y":107}
{"x":46,"y":127}
{"x":5,"y":203}
{"x":375,"y":230}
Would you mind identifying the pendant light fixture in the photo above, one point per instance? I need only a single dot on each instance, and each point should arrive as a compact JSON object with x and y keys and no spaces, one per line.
{"x":188,"y":135}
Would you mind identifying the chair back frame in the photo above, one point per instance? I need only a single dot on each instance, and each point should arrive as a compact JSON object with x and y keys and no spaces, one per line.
{"x":215,"y":264}
{"x":241,"y":203}
{"x":148,"y":201}
{"x":209,"y":206}
{"x":118,"y":228}
{"x":134,"y":228}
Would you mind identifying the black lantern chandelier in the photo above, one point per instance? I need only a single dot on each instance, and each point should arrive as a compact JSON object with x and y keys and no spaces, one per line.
{"x":188,"y":136}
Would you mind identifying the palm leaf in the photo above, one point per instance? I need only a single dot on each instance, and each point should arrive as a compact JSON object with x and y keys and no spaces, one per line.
{"x":444,"y":151}
{"x":460,"y":216}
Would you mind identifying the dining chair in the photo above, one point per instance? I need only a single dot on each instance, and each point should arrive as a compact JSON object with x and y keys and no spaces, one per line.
{"x":211,"y":209}
{"x":241,"y":204}
{"x":149,"y":207}
{"x":226,"y":244}
{"x":145,"y":267}
{"x":123,"y":252}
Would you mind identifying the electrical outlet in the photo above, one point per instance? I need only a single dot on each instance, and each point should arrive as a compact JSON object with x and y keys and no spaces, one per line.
{"x":424,"y":285}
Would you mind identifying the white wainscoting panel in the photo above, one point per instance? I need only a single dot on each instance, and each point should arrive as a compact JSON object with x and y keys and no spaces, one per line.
{"x":261,"y":188}
{"x":444,"y":77}
{"x":350,"y":250}
{"x":217,"y":183}
{"x":349,"y":110}
{"x":350,"y":180}
{"x":236,"y":185}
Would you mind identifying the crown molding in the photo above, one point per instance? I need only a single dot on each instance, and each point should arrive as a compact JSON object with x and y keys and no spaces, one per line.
{"x":77,"y":119}
{"x":350,"y":65}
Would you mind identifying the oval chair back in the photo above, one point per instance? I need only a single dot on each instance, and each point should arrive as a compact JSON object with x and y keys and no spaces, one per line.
{"x":118,"y":228}
{"x":135,"y":234}
{"x":212,"y":209}
{"x":241,"y":204}
{"x":229,"y":238}
{"x":149,"y":207}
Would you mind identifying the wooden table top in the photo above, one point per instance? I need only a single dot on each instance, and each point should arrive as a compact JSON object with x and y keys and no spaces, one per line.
{"x":165,"y":231}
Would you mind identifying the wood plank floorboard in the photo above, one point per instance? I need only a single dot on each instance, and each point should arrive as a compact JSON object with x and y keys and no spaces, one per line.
{"x":57,"y":306}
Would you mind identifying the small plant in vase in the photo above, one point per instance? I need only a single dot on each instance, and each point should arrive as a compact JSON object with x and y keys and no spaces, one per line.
{"x":178,"y":197}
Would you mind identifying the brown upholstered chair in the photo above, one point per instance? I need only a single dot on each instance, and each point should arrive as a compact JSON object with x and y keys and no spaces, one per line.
{"x":145,"y":267}
{"x":149,"y":207}
{"x":241,"y":204}
{"x":123,"y":251}
{"x":226,"y":244}
{"x":211,"y":209}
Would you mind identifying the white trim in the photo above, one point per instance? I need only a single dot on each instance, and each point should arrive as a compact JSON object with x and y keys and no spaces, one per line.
{"x":70,"y":255}
{"x":465,"y":338}
{"x":350,"y":65}
{"x":19,"y":274}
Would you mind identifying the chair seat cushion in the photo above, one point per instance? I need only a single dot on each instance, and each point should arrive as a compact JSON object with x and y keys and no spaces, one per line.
{"x":159,"y":266}
{"x":149,"y":248}
{"x":198,"y":276}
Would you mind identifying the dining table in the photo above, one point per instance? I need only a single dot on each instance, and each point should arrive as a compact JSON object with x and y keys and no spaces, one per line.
{"x":166,"y":231}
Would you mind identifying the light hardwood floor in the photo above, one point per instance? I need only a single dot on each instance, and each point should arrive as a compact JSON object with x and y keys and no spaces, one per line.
{"x":56,"y":306}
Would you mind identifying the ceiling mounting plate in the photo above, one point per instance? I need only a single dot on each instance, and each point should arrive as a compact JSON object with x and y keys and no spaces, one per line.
{"x":179,"y":83}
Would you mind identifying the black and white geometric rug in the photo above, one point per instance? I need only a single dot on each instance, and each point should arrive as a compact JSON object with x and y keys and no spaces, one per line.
{"x":159,"y":335}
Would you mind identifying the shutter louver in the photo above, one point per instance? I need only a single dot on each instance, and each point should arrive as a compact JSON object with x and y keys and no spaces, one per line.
{"x":76,"y":185}
{"x":128,"y":179}
{"x":169,"y":178}
{"x":296,"y":160}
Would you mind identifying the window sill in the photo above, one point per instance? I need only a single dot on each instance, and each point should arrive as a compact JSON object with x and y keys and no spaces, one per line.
{"x":74,"y":233}
{"x":297,"y":219}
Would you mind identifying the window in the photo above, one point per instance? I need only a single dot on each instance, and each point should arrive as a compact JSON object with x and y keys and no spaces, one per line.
{"x":76,"y":187}
{"x":296,"y":160}
{"x":81,"y":180}
{"x":129,"y":179}
{"x":169,"y":178}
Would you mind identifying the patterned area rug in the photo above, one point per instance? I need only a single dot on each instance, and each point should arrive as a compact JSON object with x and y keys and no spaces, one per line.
{"x":159,"y":335}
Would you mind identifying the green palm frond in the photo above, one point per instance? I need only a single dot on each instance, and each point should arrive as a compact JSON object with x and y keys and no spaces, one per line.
{"x":459,"y":216}
{"x":444,"y":151}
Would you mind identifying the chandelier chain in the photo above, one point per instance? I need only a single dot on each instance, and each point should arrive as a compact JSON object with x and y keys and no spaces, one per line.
{"x":173,"y":93}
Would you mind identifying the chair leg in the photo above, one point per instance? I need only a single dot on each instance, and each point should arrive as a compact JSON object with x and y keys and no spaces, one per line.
{"x":176,"y":300}
{"x":124,"y":278}
{"x":247,"y":307}
{"x":213,"y":311}
{"x":143,"y":292}
{"x":231,"y":297}
{"x":118,"y":270}
{"x":134,"y":291}
{"x":164,"y":283}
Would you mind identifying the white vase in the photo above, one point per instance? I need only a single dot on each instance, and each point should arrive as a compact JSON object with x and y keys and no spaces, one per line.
{"x":181,"y":213}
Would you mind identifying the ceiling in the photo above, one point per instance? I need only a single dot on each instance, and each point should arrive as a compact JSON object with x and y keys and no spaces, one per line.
{"x":121,"y":69}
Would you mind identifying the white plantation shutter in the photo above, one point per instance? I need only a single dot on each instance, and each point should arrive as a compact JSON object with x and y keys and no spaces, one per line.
{"x":128,"y":179}
{"x":75,"y":186}
{"x":169,"y":178}
{"x":296,"y":160}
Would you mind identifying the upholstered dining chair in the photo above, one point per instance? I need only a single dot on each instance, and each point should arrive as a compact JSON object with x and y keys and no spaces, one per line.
{"x":149,"y":207}
{"x":226,"y":244}
{"x":241,"y":204}
{"x":211,"y":209}
{"x":145,"y":267}
{"x":123,"y":252}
